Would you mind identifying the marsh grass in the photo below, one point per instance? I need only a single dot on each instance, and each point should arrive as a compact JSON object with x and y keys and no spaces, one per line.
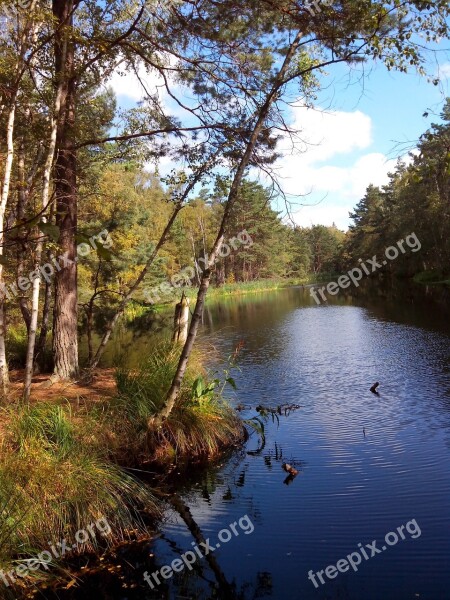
{"x":52,"y":485}
{"x":59,"y":466}
{"x":197,"y":427}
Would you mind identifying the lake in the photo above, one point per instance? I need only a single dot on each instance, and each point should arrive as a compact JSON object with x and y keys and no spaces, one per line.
{"x":368,"y":515}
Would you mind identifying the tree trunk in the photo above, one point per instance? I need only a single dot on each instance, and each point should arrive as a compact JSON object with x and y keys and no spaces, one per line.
{"x":65,"y":316}
{"x":4,"y":377}
{"x":178,"y":206}
{"x":174,"y":390}
{"x":181,"y":321}
{"x":40,"y":347}
{"x":29,"y":363}
{"x":127,"y":297}
{"x":30,"y":360}
{"x":22,"y":201}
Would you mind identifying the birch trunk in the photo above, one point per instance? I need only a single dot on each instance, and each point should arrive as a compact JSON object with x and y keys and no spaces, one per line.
{"x":29,"y":364}
{"x":4,"y":376}
{"x":174,"y":390}
{"x":39,"y":354}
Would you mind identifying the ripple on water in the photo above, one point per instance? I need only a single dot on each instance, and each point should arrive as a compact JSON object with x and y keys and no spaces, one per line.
{"x":368,"y":463}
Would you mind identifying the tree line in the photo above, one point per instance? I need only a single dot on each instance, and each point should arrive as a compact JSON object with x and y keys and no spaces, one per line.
{"x":416,"y":200}
{"x":68,"y":149}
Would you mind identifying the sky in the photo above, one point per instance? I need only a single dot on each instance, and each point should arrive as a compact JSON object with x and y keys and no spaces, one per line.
{"x":352,"y":139}
{"x":356,"y":139}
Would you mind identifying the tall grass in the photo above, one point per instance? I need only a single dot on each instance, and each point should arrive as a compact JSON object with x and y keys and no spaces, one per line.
{"x":52,"y":485}
{"x":195,"y":428}
{"x":59,"y":469}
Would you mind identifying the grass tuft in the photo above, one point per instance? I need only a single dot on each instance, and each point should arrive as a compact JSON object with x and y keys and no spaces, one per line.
{"x":52,"y":485}
{"x":197,"y":427}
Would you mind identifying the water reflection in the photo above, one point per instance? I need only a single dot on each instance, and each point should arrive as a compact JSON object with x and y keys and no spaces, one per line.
{"x":367,"y":463}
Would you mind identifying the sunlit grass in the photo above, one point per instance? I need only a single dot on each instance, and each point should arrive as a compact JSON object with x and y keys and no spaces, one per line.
{"x":194,"y":428}
{"x":59,"y":467}
{"x":52,"y":485}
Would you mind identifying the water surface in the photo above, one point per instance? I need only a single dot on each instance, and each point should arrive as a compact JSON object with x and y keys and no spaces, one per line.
{"x":368,"y":464}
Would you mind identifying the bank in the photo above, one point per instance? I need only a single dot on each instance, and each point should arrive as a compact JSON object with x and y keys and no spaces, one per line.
{"x":69,"y":463}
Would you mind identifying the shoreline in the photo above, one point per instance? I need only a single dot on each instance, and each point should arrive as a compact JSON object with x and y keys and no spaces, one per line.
{"x":68,"y":455}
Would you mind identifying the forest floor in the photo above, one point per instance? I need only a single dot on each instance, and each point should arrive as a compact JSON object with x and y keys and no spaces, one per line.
{"x":103,"y":385}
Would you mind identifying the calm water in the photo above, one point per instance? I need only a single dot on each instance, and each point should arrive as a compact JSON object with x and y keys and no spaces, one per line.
{"x":368,"y":464}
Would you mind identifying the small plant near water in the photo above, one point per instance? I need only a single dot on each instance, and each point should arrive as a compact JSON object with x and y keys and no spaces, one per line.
{"x":201,"y":423}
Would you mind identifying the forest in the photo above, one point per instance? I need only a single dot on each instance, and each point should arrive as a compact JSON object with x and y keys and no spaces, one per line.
{"x":91,"y":232}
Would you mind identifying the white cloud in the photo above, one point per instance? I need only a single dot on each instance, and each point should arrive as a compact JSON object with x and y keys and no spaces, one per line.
{"x":127,"y":85}
{"x":134,"y":87}
{"x":332,"y":160}
{"x":327,"y":134}
{"x":339,"y":140}
{"x":323,"y":214}
{"x":444,"y":71}
{"x":370,"y":168}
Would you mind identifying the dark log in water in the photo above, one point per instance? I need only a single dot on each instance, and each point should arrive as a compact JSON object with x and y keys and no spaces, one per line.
{"x":373,"y":389}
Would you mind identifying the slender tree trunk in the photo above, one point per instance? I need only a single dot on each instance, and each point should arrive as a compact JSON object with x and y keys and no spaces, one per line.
{"x":22,"y":201}
{"x":181,"y":321}
{"x":127,"y":297}
{"x":197,"y":270}
{"x":30,"y":359}
{"x":89,"y":309}
{"x":4,"y":377}
{"x":40,"y":347}
{"x":90,"y":327}
{"x":174,"y":390}
{"x":29,"y":363}
{"x":65,"y":316}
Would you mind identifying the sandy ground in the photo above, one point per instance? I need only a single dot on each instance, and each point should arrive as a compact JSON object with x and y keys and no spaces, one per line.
{"x":102,"y":385}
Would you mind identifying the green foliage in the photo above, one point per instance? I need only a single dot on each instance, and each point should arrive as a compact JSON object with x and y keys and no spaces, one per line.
{"x":17,"y":345}
{"x":201,"y":423}
{"x":201,"y":390}
{"x":416,"y":200}
{"x":46,"y":424}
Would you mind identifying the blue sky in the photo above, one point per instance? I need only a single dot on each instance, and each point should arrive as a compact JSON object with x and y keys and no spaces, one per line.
{"x":366,"y":126}
{"x":360,"y":128}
